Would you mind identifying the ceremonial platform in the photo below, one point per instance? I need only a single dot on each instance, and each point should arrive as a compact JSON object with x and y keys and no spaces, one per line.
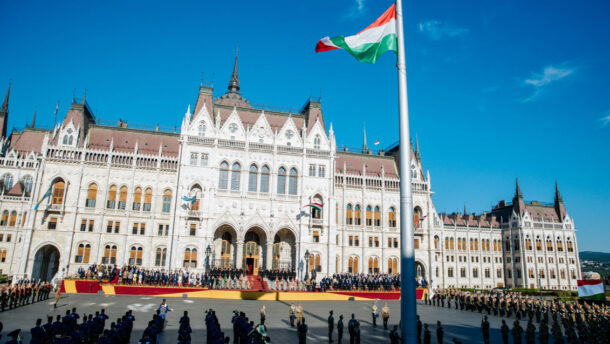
{"x":94,"y":287}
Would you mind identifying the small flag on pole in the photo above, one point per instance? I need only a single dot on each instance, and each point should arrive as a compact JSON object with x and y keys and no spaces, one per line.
{"x":368,"y":44}
{"x":420,"y":221}
{"x":376,"y":143}
{"x":46,"y":195}
{"x":191,"y":200}
{"x":317,"y":206}
{"x":591,"y":289}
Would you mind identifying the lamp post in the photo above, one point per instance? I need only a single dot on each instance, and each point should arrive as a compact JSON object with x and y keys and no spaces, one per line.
{"x":208,"y":252}
{"x":306,"y":265}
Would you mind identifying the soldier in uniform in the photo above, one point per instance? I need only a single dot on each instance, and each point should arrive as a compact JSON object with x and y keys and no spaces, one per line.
{"x":504,"y":329}
{"x":530,"y":333}
{"x":331,"y":326}
{"x":439,"y":332}
{"x":485,"y":330}
{"x":302,"y":330}
{"x":299,"y":314}
{"x":517,"y":331}
{"x":385,"y":314}
{"x":340,"y":329}
{"x":292,"y":314}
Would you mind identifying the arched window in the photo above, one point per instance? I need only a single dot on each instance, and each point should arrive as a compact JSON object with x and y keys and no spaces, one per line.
{"x":569,"y":244}
{"x":486,"y":244}
{"x":137,"y":198}
{"x":109,"y":254}
{"x":436,"y":242}
{"x":27,"y":183}
{"x":476,"y":244}
{"x":392,"y":265}
{"x":451,"y":243}
{"x":528,"y":244}
{"x":265,"y":179}
{"x":373,"y":265}
{"x":190,"y":258}
{"x":377,"y":217}
{"x":392,"y":217}
{"x":549,"y":244}
{"x":253,"y":178}
{"x":167,"y":201}
{"x":111,"y":202}
{"x":348,"y":215}
{"x":147,"y":199}
{"x":352,"y":265}
{"x":281,"y":181}
{"x":417,"y":218}
{"x":316,"y":142}
{"x":123,"y":197}
{"x":91,"y":196}
{"x":559,"y":245}
{"x":8,"y":182}
{"x":225,"y":250}
{"x":4,"y":221}
{"x":197,"y":194}
{"x":202,"y":129}
{"x":538,"y":244}
{"x":223,"y":177}
{"x":13,"y":220}
{"x":82,"y":253}
{"x":369,"y":216}
{"x":135,"y":255}
{"x":58,"y":192}
{"x":160,"y":255}
{"x":235,"y":176}
{"x":292,"y":182}
{"x":65,"y":140}
{"x":357,"y":216}
{"x":314,"y":262}
{"x":316,"y":212}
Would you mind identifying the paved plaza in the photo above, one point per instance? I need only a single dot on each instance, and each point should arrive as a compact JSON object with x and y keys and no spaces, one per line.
{"x":463,"y":325}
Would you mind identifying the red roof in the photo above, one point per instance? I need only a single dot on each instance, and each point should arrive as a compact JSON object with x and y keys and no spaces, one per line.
{"x":124,"y":140}
{"x":354,"y":164}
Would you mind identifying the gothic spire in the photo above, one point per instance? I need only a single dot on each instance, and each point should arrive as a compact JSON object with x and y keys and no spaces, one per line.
{"x":417,"y":148}
{"x":5,"y":102}
{"x":234,"y":82}
{"x":465,"y":212}
{"x":33,"y":125}
{"x":365,"y":149}
{"x":558,"y":198}
{"x":518,"y":193}
{"x":4,"y":112}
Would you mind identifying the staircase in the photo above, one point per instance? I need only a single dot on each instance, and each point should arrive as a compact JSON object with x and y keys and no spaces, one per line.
{"x":257,"y":283}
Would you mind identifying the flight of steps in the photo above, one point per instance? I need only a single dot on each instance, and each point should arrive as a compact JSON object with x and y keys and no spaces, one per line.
{"x":257,"y":283}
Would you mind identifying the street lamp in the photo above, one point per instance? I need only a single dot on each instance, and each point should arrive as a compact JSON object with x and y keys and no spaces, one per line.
{"x":208,"y":252}
{"x":306,"y":265}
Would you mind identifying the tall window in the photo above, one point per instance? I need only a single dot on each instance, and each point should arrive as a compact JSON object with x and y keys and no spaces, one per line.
{"x":392,"y":265}
{"x":253,"y":178}
{"x":357,"y":216}
{"x":559,"y":245}
{"x":569,"y":244}
{"x":160,"y":255}
{"x":436,"y":242}
{"x":58,"y":192}
{"x":8,"y":182}
{"x":314,"y":262}
{"x":265,"y":179}
{"x":109,"y":254}
{"x":348,"y":215}
{"x":373,"y":265}
{"x":202,"y":129}
{"x":27,"y":183}
{"x":369,"y":216}
{"x":147,"y":199}
{"x":167,"y":201}
{"x":392,"y":217}
{"x":377,"y":217}
{"x":194,"y":159}
{"x":281,"y":181}
{"x":82,"y":254}
{"x":316,"y":142}
{"x":137,"y":198}
{"x":111,"y":202}
{"x":321,"y":171}
{"x":538,"y":244}
{"x":13,"y":220}
{"x":223,"y":177}
{"x":352,"y":265}
{"x":135,"y":255}
{"x":549,"y":244}
{"x":292,"y":182}
{"x":190,"y":258}
{"x":91,"y":196}
{"x":123,"y":198}
{"x":235,"y":174}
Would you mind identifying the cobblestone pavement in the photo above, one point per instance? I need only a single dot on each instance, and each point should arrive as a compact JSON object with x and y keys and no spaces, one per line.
{"x":463,"y":325}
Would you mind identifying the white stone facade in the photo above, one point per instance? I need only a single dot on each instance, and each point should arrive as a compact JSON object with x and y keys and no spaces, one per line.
{"x":233,"y":189}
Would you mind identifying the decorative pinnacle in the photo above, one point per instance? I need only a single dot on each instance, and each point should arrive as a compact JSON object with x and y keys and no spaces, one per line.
{"x":234,"y":82}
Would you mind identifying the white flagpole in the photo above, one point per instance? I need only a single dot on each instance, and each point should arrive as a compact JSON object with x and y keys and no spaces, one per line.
{"x":408,"y":306}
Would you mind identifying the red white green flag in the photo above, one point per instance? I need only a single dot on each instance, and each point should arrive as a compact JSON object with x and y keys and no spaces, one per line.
{"x":317,"y":206}
{"x":368,"y":44}
{"x":591,"y":289}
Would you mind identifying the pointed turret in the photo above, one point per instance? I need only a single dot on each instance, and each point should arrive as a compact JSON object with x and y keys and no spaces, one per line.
{"x":518,"y":203}
{"x":560,"y":208}
{"x":234,"y":82}
{"x":365,"y":148}
{"x":33,"y":125}
{"x":4,"y":111}
{"x":465,"y":212}
{"x":417,"y":149}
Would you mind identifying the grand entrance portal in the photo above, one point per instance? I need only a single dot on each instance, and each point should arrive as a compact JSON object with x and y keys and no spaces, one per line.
{"x":252,"y":249}
{"x":46,"y":263}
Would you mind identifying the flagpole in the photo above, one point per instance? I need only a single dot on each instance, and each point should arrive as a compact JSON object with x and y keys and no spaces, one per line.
{"x":408,"y":306}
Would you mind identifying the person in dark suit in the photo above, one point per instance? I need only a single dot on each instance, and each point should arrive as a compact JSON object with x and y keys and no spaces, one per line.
{"x":439,"y":332}
{"x":302,"y":329}
{"x":340,"y":329}
{"x":331,"y":326}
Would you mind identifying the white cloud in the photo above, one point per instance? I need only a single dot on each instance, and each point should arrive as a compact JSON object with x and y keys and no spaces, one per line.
{"x":435,"y":29}
{"x":357,"y":9}
{"x":549,"y":75}
{"x":605,"y":120}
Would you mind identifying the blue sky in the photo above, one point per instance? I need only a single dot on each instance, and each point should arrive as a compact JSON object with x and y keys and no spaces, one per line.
{"x":496,"y":90}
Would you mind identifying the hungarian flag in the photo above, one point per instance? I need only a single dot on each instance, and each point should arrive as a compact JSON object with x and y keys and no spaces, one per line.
{"x":317,"y":206}
{"x":368,"y":44}
{"x":591,"y":289}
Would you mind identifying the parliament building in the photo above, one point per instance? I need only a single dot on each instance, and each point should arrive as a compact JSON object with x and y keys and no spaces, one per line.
{"x":231,"y":188}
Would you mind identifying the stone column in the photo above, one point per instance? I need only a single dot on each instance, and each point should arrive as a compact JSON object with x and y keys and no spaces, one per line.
{"x":239,"y":254}
{"x":269,"y":259}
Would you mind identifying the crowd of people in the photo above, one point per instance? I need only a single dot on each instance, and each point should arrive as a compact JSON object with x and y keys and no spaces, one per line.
{"x":347,"y":281}
{"x":585,"y":322}
{"x":22,"y":293}
{"x":215,"y":278}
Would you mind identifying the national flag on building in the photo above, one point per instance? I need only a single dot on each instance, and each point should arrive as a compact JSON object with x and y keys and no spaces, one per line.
{"x":317,"y":206}
{"x":47,"y":194}
{"x":368,"y":44}
{"x":191,"y":200}
{"x":591,"y":289}
{"x":376,"y":143}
